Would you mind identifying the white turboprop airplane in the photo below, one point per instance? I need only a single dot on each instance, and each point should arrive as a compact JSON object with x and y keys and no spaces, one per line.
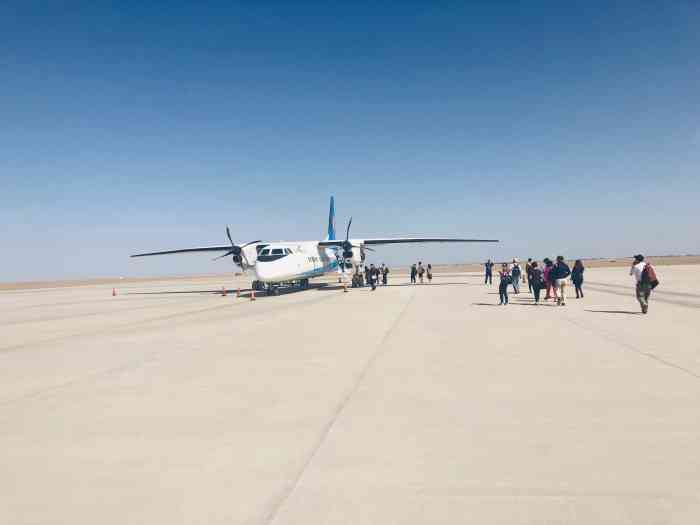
{"x":295,"y":262}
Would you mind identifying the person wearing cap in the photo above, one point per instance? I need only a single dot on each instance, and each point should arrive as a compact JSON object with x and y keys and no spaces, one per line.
{"x":643,"y":288}
{"x":560,"y":273}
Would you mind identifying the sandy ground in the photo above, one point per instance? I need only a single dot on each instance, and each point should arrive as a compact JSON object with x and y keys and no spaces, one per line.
{"x":413,"y":404}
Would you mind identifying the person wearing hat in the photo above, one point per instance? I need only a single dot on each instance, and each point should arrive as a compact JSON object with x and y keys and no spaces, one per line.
{"x":643,"y":288}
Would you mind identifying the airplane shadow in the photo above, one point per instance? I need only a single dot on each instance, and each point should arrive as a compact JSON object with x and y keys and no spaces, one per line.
{"x":511,"y":303}
{"x":626,"y":312}
{"x":201,"y":292}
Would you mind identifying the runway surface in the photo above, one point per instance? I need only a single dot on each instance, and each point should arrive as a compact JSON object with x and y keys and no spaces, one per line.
{"x":413,"y":404}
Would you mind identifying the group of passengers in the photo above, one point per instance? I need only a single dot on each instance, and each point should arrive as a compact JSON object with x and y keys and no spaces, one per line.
{"x":375,"y":274}
{"x":552,"y":277}
{"x":419,"y":271}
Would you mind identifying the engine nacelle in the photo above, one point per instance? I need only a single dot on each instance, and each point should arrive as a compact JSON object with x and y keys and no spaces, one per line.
{"x":353,"y":258}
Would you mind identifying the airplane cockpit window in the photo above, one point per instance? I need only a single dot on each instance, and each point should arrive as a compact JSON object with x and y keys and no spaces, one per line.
{"x":272,"y":254}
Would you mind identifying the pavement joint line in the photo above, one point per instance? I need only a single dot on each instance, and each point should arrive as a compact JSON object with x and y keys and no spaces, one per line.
{"x":153,"y":357}
{"x":144,"y":322}
{"x":328,"y":428}
{"x":603,"y":334}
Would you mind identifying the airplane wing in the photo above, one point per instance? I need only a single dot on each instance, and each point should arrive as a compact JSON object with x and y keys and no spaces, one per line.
{"x":187,"y":250}
{"x":401,"y":240}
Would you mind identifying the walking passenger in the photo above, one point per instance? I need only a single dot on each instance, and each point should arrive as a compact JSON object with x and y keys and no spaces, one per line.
{"x":414,"y":271}
{"x":577,"y":278}
{"x":645,"y":275}
{"x":516,"y":273}
{"x":421,"y":271}
{"x":548,"y":266}
{"x":561,"y":273}
{"x":536,"y":281}
{"x":373,"y":277}
{"x":488,"y":267}
{"x":385,"y":275}
{"x":505,"y":280}
{"x":528,"y":273}
{"x":429,"y":273}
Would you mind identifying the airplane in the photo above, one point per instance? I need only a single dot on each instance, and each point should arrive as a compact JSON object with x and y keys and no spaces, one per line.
{"x":281,"y":263}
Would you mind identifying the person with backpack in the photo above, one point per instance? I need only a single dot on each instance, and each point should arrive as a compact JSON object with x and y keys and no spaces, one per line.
{"x":506,"y":279}
{"x":488,"y":267}
{"x":421,"y":271}
{"x":528,"y":273}
{"x":373,"y":277}
{"x":548,"y":278}
{"x":646,"y":280}
{"x":536,"y":281}
{"x":515,"y":274}
{"x":561,"y":272}
{"x":577,"y":278}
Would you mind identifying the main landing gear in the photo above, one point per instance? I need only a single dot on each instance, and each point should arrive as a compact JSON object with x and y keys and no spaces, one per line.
{"x":274,"y":288}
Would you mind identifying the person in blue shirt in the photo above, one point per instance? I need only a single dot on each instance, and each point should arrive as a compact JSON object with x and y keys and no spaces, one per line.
{"x":488,"y":267}
{"x":560,"y":272}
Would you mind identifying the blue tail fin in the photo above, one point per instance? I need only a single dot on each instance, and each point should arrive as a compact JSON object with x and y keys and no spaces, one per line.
{"x":331,"y":221}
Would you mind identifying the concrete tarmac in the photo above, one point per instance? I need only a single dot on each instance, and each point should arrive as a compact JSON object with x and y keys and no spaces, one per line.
{"x":171,"y":404}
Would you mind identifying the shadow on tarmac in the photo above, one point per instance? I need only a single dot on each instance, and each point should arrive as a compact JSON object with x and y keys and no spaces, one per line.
{"x":627,"y":312}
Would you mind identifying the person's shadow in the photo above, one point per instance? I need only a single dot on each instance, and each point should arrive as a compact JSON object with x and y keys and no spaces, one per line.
{"x":626,"y":312}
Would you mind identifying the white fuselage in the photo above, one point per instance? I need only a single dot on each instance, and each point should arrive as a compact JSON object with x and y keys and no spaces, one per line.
{"x":292,"y":261}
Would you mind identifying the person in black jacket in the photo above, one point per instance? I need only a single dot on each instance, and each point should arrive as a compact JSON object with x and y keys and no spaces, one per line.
{"x":560,"y":273}
{"x":536,"y":280}
{"x":577,"y":278}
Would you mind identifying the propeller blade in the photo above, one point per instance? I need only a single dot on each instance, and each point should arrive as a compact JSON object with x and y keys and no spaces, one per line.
{"x":228,"y":234}
{"x":249,"y":243}
{"x":347,"y":231}
{"x":222,"y":256}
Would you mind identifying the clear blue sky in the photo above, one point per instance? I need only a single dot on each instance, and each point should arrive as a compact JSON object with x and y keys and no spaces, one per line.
{"x":136,"y":126}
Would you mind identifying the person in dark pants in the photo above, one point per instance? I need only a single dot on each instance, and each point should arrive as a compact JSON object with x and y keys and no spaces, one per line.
{"x":506,"y":279}
{"x":515,"y":274}
{"x":528,"y":272}
{"x":373,"y":277}
{"x":536,"y":281}
{"x":414,"y":272}
{"x":385,"y":275}
{"x":577,"y":278}
{"x":488,"y":267}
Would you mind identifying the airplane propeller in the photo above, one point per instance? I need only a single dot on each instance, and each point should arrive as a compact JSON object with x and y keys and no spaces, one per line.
{"x":239,"y":256}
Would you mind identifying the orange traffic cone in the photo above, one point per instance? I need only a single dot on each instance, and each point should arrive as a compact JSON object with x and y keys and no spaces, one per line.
{"x":114,"y":292}
{"x":223,"y":291}
{"x":252,"y":295}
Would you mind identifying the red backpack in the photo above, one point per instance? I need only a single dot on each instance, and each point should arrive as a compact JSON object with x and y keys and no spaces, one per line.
{"x":649,"y":276}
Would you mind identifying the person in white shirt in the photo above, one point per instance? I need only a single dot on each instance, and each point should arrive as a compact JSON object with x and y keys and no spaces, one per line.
{"x":643,"y":289}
